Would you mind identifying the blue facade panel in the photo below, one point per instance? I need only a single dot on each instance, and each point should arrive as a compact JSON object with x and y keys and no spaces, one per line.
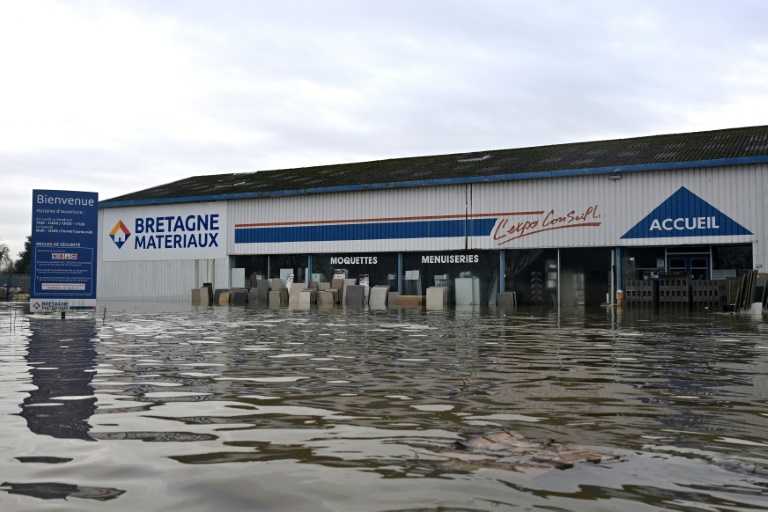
{"x":365,"y":231}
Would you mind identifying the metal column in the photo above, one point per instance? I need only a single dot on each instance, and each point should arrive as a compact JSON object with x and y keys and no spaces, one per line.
{"x":501,"y":271}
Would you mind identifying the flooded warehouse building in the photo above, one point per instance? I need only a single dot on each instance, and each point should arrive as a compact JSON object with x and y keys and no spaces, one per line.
{"x":567,"y":224}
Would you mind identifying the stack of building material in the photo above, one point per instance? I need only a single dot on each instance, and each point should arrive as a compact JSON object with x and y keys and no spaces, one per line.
{"x":506,"y":300}
{"x":708,"y":293}
{"x":261,"y":287}
{"x":200,"y":296}
{"x":217,"y":295}
{"x":409,"y":301}
{"x":293,"y":293}
{"x":437,"y":297}
{"x":335,"y":293}
{"x":238,"y":297}
{"x":641,"y":291}
{"x":278,"y":297}
{"x":675,"y":290}
{"x":378,"y":297}
{"x":746,"y":292}
{"x":392,"y":297}
{"x":275,"y":283}
{"x":467,"y":290}
{"x":223,"y":298}
{"x":354,"y":295}
{"x":326,"y":297}
{"x":339,"y":284}
{"x":209,"y":287}
{"x":307,"y":297}
{"x":347,"y":282}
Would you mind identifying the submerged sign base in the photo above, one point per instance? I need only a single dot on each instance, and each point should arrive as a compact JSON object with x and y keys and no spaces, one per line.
{"x":54,"y":305}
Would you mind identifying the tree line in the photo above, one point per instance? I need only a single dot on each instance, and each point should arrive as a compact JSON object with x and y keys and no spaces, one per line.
{"x":22,"y":264}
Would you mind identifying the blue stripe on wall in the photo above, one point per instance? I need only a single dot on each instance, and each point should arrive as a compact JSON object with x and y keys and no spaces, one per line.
{"x":368,"y":231}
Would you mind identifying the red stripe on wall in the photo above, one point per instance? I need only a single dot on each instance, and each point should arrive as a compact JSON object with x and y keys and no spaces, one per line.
{"x":384,"y":219}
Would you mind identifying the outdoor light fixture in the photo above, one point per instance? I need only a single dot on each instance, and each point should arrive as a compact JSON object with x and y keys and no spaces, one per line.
{"x":614,"y":176}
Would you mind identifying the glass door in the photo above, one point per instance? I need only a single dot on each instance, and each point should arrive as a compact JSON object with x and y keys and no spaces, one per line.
{"x":696,"y":265}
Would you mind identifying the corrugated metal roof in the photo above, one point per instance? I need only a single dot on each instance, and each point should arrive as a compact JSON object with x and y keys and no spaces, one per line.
{"x":719,"y":147}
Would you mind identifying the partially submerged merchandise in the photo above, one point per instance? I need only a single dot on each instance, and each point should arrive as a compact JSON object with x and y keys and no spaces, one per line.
{"x":512,"y":451}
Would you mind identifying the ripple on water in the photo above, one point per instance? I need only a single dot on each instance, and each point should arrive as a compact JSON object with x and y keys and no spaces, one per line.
{"x":240,"y":409}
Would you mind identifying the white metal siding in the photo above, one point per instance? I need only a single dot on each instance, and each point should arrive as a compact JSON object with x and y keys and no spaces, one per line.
{"x":156,"y":280}
{"x":164,"y":280}
{"x":737,"y":191}
{"x":364,"y":206}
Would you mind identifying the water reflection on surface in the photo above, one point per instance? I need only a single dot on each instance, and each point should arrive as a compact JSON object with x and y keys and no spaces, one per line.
{"x":60,"y":357}
{"x":259,"y":409}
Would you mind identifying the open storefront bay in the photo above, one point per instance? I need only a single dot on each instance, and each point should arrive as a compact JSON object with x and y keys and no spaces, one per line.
{"x":235,"y":409}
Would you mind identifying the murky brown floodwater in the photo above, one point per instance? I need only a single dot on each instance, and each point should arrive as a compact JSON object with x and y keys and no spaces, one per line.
{"x":332,"y":410}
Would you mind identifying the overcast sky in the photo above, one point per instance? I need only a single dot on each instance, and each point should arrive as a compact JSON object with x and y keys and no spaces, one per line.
{"x":118,"y":96}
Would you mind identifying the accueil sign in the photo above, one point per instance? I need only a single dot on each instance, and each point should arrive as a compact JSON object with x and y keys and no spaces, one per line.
{"x":191,"y":231}
{"x":684,"y":214}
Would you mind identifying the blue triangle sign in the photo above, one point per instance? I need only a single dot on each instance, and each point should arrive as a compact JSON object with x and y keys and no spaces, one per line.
{"x":685,"y":214}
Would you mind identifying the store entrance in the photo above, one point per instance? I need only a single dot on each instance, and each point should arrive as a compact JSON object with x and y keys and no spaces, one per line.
{"x":693,"y":264}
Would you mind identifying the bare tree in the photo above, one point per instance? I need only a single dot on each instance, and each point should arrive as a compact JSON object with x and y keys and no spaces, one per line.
{"x":6,"y":264}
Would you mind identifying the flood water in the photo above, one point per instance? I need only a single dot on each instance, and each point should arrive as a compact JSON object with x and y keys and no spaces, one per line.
{"x":237,"y":409}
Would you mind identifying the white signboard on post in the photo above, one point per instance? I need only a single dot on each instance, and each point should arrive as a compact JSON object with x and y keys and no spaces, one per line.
{"x":167,"y":232}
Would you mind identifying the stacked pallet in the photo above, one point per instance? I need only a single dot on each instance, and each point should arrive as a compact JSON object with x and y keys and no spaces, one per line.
{"x":641,"y":291}
{"x":675,"y":290}
{"x":708,"y":293}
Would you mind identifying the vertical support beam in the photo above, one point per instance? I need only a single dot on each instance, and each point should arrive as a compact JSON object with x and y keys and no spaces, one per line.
{"x":612,"y":280}
{"x":400,"y":272}
{"x":501,"y":271}
{"x":618,"y":270}
{"x":309,"y":269}
{"x":558,"y":278}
